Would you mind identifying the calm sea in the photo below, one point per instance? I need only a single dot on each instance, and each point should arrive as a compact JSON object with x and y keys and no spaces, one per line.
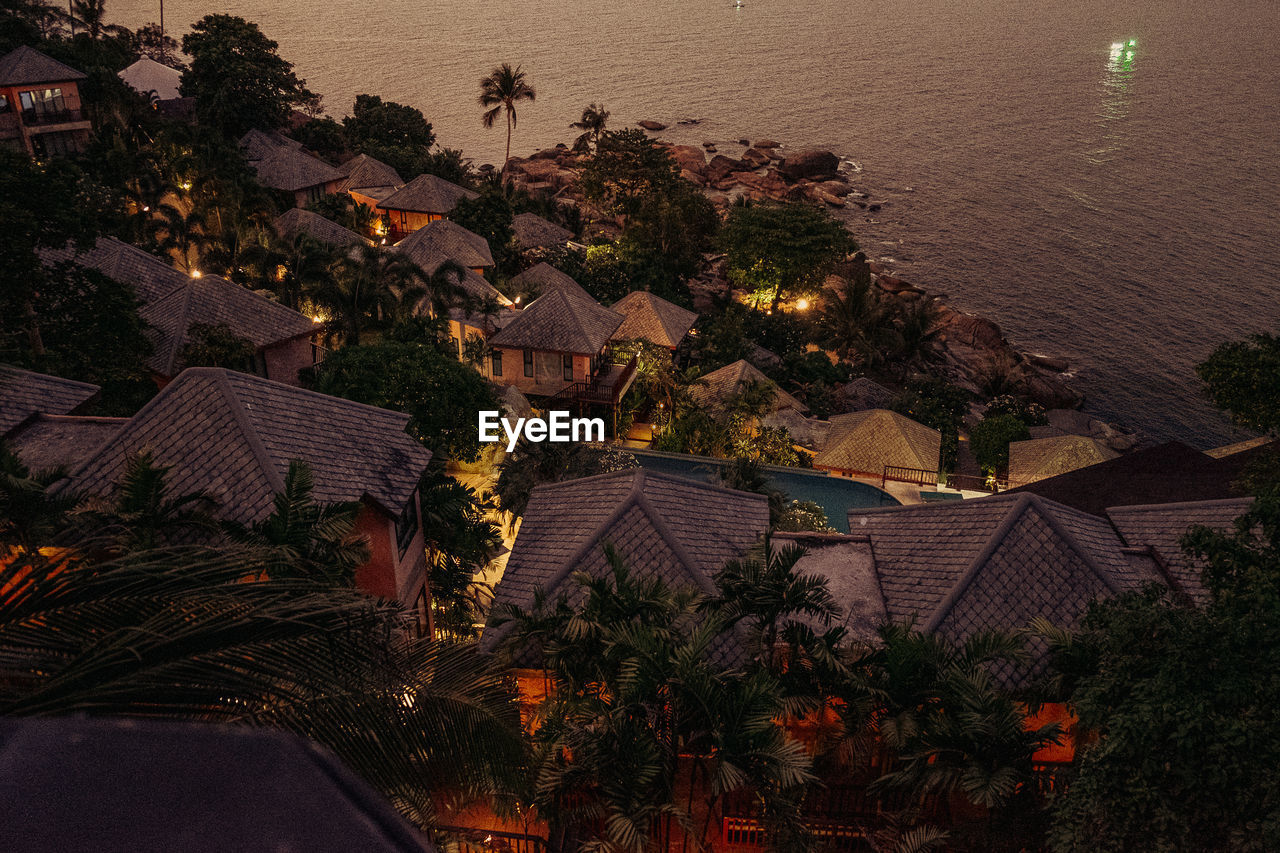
{"x":1116,"y":206}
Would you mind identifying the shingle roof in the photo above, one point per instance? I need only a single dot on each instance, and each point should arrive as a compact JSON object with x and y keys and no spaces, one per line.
{"x":296,"y":219}
{"x":868,"y":441}
{"x":541,"y":277}
{"x":234,"y":435}
{"x":24,"y":66}
{"x":443,"y":240}
{"x":24,"y":393}
{"x":534,"y":232}
{"x":44,"y":442}
{"x":427,"y":194}
{"x":210,"y":788}
{"x":862,"y":393}
{"x":365,"y":172}
{"x":147,"y":75}
{"x":662,"y":526}
{"x":560,"y":321}
{"x":1162,"y":526}
{"x":653,"y":318}
{"x":1167,"y":473}
{"x":211,"y":300}
{"x":998,"y":562}
{"x":717,"y":387}
{"x":1038,"y":458}
{"x":283,"y":165}
{"x":150,"y":276}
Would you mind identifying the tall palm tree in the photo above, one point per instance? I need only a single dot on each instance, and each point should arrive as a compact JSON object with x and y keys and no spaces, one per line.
{"x":91,"y":15}
{"x":855,"y":323}
{"x":181,"y":233}
{"x":592,"y":124}
{"x":501,"y":90}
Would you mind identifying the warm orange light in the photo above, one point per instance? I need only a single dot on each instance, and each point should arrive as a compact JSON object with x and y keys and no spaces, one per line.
{"x":196,"y":273}
{"x":802,"y":304}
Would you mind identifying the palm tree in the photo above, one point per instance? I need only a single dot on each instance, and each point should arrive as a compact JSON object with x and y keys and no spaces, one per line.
{"x":30,"y":511}
{"x":501,"y":90}
{"x":368,"y":285}
{"x":92,"y":16}
{"x":854,"y":323}
{"x":143,"y":513}
{"x":316,"y":540}
{"x":592,"y":124}
{"x":180,"y":233}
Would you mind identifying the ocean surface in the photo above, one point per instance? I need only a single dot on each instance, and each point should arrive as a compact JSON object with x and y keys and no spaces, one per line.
{"x":1101,"y":178}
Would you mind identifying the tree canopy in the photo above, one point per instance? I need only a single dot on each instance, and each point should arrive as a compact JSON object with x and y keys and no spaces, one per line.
{"x":1243,"y":379}
{"x":237,"y":78}
{"x":782,"y":247}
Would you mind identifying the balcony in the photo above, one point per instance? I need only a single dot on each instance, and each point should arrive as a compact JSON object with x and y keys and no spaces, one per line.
{"x":41,"y":118}
{"x":607,"y":387}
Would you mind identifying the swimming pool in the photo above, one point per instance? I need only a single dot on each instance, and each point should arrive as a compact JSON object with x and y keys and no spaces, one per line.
{"x":834,"y":495}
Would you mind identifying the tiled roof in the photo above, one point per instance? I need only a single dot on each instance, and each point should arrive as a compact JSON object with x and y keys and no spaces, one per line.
{"x":296,"y":219}
{"x":862,"y":393}
{"x":1038,"y":458}
{"x":662,"y":526}
{"x":534,"y":232}
{"x":151,"y":277}
{"x":25,"y":66}
{"x":847,"y":564}
{"x":234,"y":436}
{"x":1167,"y":473}
{"x":45,"y":442}
{"x":147,"y":75}
{"x":560,"y":321}
{"x":1162,"y":526}
{"x":283,"y":165}
{"x":868,"y":441}
{"x":653,"y":318}
{"x":717,"y":387}
{"x":443,"y":240}
{"x":213,"y":301}
{"x":998,"y":562}
{"x":365,"y":172}
{"x":541,"y":277}
{"x":24,"y":393}
{"x":426,"y":194}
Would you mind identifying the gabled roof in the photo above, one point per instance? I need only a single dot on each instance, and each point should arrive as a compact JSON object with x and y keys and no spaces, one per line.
{"x":443,"y":240}
{"x":562,"y":321}
{"x":717,"y":387}
{"x":212,"y":301}
{"x":1038,"y":458}
{"x":1161,"y":527}
{"x":365,"y":172}
{"x":541,"y":277}
{"x":147,"y":75}
{"x":998,"y":562}
{"x":24,"y":393}
{"x":45,"y":442}
{"x":426,"y":194}
{"x":1167,"y":473}
{"x":210,"y":788}
{"x":662,"y":526}
{"x":868,"y":441}
{"x":24,"y":66}
{"x":861,"y":393}
{"x":282,"y":164}
{"x":151,"y":277}
{"x":296,"y":219}
{"x":234,"y":436}
{"x":653,"y":319}
{"x":535,"y":232}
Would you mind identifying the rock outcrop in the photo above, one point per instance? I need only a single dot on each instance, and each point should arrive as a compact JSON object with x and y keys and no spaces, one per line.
{"x":813,"y":165}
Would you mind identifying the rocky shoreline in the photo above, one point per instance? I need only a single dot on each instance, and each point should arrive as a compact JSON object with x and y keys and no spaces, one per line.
{"x":974,"y":348}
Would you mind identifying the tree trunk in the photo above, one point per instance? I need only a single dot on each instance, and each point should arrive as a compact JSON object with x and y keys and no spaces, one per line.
{"x":504,"y":162}
{"x":34,"y":339}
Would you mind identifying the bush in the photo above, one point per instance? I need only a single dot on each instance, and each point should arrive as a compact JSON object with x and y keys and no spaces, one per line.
{"x":990,"y":440}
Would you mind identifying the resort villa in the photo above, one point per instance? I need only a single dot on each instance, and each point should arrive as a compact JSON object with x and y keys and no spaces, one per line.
{"x":425,"y":199}
{"x":280,"y":163}
{"x":40,"y":105}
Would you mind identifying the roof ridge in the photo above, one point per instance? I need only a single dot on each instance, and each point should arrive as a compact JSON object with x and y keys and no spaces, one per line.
{"x":298,"y":389}
{"x":1166,"y":506}
{"x":1055,"y":523}
{"x":669,"y":536}
{"x":247,"y":428}
{"x":1012,"y":515}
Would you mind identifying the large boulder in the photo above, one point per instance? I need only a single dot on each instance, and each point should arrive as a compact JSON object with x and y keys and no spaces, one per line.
{"x":539,"y":170}
{"x":721,"y":167}
{"x":755,"y":157}
{"x":971,"y":330}
{"x":689,"y":157}
{"x":814,"y":165}
{"x":765,"y":143}
{"x":650,"y":124}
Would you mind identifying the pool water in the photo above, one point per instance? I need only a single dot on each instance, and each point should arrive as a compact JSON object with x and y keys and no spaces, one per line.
{"x":834,"y":495}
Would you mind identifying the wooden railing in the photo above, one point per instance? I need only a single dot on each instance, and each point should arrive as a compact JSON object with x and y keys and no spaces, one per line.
{"x":976,"y":483}
{"x":597,"y":390}
{"x":918,"y":476}
{"x":463,"y":838}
